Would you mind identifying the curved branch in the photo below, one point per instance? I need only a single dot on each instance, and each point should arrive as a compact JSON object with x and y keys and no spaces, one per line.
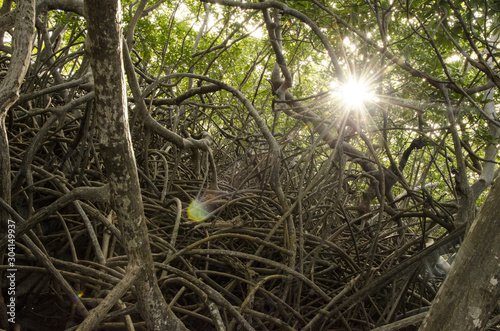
{"x":99,"y":194}
{"x":75,"y":6}
{"x":295,"y":13}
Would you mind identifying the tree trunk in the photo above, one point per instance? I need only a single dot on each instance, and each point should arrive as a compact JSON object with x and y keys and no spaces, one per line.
{"x":22,"y":43}
{"x":471,"y":290}
{"x":104,"y":45}
{"x":488,"y":171}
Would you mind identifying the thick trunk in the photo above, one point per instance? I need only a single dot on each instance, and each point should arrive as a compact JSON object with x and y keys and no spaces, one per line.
{"x":104,"y":45}
{"x":471,"y":290}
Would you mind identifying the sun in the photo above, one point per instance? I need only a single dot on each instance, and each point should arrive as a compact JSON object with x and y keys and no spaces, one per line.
{"x":353,"y":94}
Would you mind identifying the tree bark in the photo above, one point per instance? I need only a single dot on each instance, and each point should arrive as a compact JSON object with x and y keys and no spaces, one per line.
{"x":104,"y":45}
{"x":471,"y":290}
{"x":488,"y":171}
{"x":22,"y":43}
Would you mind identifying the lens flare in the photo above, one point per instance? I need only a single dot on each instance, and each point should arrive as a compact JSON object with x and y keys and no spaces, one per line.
{"x":197,"y":211}
{"x":78,"y":296}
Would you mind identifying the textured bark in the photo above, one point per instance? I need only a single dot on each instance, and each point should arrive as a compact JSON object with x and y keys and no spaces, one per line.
{"x":22,"y":43}
{"x":75,"y":6}
{"x":104,"y":45}
{"x":471,"y":290}
{"x":488,"y":171}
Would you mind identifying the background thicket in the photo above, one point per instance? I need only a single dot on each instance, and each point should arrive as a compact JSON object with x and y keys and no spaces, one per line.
{"x":206,"y":168}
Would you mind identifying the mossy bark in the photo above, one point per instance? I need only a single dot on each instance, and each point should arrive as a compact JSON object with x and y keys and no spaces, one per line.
{"x":104,"y":45}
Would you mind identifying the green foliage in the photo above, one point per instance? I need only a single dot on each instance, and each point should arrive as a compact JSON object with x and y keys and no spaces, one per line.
{"x":420,"y":72}
{"x":393,"y":46}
